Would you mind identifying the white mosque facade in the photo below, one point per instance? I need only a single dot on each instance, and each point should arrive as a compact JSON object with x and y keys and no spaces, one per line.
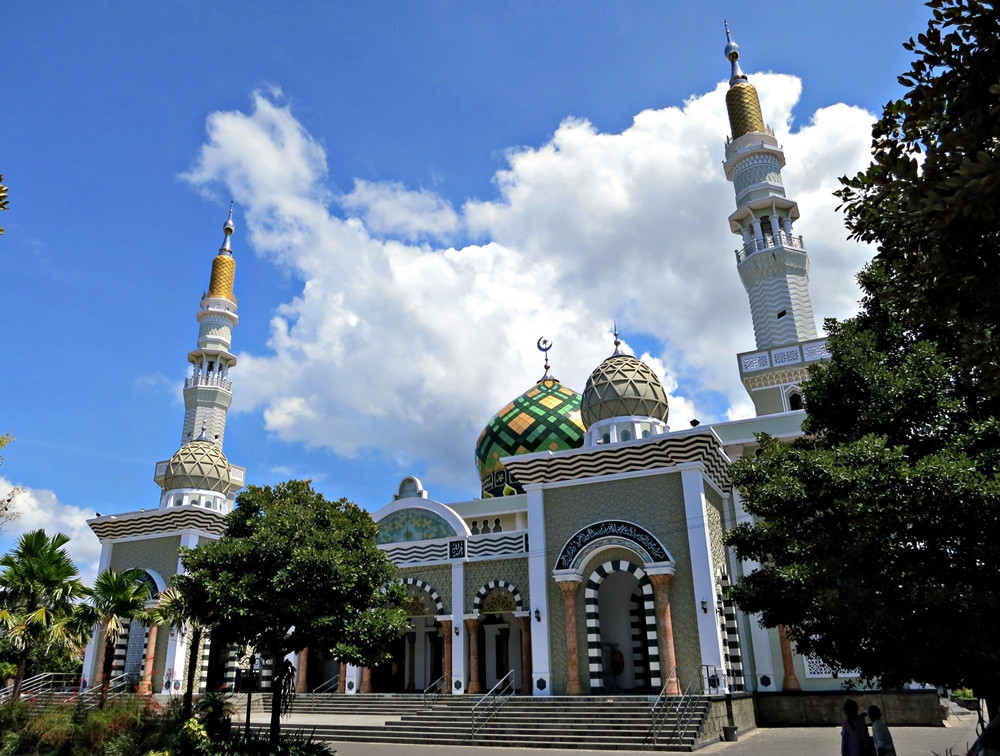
{"x":592,"y":560}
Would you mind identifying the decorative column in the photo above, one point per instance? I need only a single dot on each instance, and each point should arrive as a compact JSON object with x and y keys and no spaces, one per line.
{"x":568,"y":588}
{"x":146,"y":684}
{"x":342,"y":678}
{"x":446,"y":656}
{"x":790,"y":682}
{"x":366,"y":680}
{"x":301,"y":681}
{"x":411,"y":663}
{"x":472,"y":631}
{"x":525,"y":623}
{"x":664,"y":624}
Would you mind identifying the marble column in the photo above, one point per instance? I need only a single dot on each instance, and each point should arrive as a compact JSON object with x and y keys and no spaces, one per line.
{"x":472,"y":632}
{"x":569,"y":588}
{"x":146,"y":684}
{"x":525,"y":624}
{"x":446,"y":660}
{"x":342,"y":679}
{"x":665,"y":627}
{"x":301,"y":681}
{"x":366,"y":680}
{"x":790,"y":681}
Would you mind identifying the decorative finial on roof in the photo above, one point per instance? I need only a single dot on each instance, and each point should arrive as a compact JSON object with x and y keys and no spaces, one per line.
{"x":228,"y":229}
{"x":203,"y":436}
{"x":544,"y":345}
{"x":618,"y":344}
{"x":733,"y":56}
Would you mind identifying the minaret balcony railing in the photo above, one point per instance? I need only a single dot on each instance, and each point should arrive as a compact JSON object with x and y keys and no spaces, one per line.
{"x":215,"y":380}
{"x":769,"y":242}
{"x":767,"y":130}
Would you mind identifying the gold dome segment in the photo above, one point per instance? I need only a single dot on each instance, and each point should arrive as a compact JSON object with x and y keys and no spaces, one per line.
{"x":742,"y":101}
{"x":224,"y":266}
{"x":223,"y":277}
{"x":744,"y":110}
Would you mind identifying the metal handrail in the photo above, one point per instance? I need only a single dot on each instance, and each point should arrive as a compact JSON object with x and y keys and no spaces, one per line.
{"x":499,"y":693}
{"x":685,"y":709}
{"x":116,"y":685}
{"x":433,"y":692}
{"x":325,"y":687}
{"x":46,"y":682}
{"x":659,"y":710}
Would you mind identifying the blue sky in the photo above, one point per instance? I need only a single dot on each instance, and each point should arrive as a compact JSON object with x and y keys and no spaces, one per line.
{"x":422,"y":190}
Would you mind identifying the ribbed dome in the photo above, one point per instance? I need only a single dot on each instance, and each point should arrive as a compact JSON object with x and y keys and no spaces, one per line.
{"x":622,"y":386}
{"x":198,"y":464}
{"x":546,"y":417}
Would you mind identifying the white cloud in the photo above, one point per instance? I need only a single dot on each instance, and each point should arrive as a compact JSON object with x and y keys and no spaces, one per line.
{"x":390,"y":208}
{"x":407,"y":349}
{"x":39,"y":509}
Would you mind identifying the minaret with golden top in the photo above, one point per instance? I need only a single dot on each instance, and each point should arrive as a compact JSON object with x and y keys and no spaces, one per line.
{"x":208,"y":393}
{"x":772,"y":261}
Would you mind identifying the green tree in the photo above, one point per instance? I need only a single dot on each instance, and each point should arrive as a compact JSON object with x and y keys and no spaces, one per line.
{"x":7,"y":500}
{"x":39,"y":586}
{"x":3,"y":199}
{"x":115,"y":598}
{"x":293,"y":571}
{"x":878,"y":533}
{"x":175,"y":609}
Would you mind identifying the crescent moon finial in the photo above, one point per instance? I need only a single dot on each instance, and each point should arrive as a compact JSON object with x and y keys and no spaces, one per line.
{"x":544,"y":345}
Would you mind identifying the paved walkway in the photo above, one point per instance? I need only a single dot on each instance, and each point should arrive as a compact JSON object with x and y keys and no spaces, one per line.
{"x":951,"y":740}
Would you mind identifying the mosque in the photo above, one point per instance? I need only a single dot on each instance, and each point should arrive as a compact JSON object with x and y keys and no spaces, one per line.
{"x":592,"y":561}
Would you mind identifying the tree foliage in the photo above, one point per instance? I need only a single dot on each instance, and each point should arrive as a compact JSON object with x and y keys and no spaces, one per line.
{"x":176,"y":609}
{"x":878,"y":533}
{"x":293,"y":571}
{"x":4,"y":205}
{"x":7,"y":500}
{"x":39,"y":588}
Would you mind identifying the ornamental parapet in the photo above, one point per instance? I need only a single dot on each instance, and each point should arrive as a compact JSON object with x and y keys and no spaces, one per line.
{"x":769,"y":242}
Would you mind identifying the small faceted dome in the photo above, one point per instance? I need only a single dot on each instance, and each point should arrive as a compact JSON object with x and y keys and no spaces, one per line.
{"x":198,"y":464}
{"x":622,"y":386}
{"x":546,"y":417}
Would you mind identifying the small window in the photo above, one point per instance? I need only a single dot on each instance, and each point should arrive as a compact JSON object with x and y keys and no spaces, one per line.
{"x":475,"y":528}
{"x":795,"y":401}
{"x":486,"y":526}
{"x":497,"y":528}
{"x":606,"y":438}
{"x":625,"y":435}
{"x":645,"y":434}
{"x":782,"y":314}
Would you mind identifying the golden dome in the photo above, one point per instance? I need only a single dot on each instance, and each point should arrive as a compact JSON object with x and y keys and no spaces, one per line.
{"x":223,"y":276}
{"x":744,"y":109}
{"x":198,"y":464}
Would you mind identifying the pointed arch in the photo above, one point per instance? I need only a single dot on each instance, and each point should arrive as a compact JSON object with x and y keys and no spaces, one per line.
{"x":493,"y":584}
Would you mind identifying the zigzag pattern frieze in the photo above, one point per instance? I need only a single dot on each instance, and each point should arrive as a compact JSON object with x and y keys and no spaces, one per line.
{"x":608,"y":461}
{"x":426,"y":552}
{"x":512,"y":544}
{"x":160,"y":522}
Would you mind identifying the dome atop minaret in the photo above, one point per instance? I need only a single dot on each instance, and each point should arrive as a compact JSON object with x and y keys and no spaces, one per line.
{"x":742,"y":101}
{"x":224,"y":266}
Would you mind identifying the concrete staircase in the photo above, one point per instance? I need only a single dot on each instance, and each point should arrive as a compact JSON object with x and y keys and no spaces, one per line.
{"x":585,"y":722}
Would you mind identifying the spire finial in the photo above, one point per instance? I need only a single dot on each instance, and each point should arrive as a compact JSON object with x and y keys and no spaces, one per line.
{"x":544,"y":345}
{"x":732,"y":52}
{"x":618,"y":344}
{"x":228,"y":229}
{"x":203,"y":436}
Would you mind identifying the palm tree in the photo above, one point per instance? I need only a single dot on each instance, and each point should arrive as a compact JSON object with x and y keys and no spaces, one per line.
{"x":38,"y":587}
{"x":115,"y":598}
{"x":175,"y":610}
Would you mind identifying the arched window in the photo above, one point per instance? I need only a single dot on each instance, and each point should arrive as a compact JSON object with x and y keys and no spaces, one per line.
{"x":795,"y":401}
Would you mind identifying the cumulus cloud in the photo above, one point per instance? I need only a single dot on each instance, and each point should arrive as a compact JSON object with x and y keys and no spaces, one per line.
{"x":404,"y":348}
{"x":39,"y":509}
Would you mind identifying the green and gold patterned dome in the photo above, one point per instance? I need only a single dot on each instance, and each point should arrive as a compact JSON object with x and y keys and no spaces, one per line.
{"x":546,"y":417}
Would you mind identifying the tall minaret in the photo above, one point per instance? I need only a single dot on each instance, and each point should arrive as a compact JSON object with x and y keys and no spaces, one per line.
{"x":199,"y":474}
{"x":772,"y":262}
{"x":208,"y":393}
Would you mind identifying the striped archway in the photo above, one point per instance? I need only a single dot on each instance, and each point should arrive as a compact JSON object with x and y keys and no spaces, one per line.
{"x":427,"y":588}
{"x":492,"y":585}
{"x":647,"y":620}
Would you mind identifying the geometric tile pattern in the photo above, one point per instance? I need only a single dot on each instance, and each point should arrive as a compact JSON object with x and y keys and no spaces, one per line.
{"x":413,"y":524}
{"x":594,"y":650}
{"x":623,"y":386}
{"x":546,"y":417}
{"x":198,"y":464}
{"x":744,"y":110}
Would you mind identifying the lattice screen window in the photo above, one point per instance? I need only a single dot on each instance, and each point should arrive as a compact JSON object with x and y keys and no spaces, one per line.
{"x":817,"y":668}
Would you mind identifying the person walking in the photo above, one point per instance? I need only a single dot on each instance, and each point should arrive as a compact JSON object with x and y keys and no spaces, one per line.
{"x":854,"y":738}
{"x":880,"y":733}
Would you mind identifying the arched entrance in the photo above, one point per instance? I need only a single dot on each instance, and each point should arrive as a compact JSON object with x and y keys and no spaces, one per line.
{"x":501,"y":633}
{"x":623,"y":654}
{"x":417,"y":658}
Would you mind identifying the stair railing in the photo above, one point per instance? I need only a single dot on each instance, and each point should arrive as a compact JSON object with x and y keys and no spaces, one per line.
{"x":46,"y":682}
{"x":433,"y":692}
{"x":118,"y":684}
{"x":660,"y":708}
{"x":685,"y":711}
{"x":487,"y":706}
{"x":330,"y":686}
